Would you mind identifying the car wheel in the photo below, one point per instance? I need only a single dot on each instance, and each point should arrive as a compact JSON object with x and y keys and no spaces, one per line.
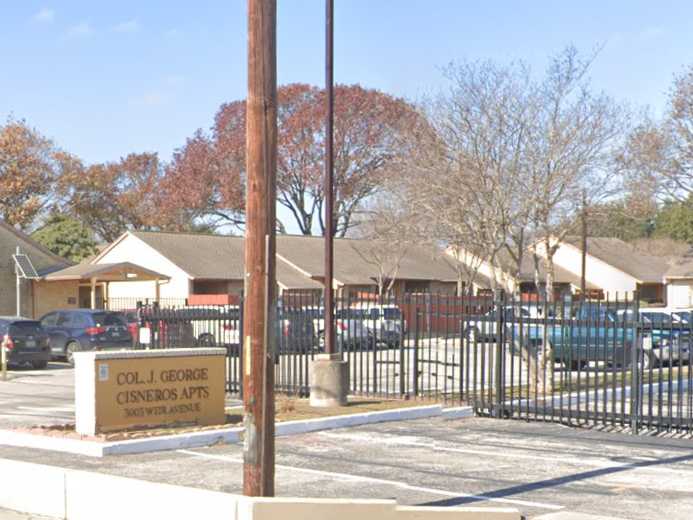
{"x":578,"y":365}
{"x":70,"y":350}
{"x":39,"y":365}
{"x":647,"y":361}
{"x":206,"y":340}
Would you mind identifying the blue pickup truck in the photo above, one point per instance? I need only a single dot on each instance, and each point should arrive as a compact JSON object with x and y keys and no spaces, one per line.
{"x":608,"y":334}
{"x":586,"y":333}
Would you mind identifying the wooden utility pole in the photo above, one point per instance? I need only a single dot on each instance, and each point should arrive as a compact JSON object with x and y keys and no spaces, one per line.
{"x":260,"y":286}
{"x":329,"y":179}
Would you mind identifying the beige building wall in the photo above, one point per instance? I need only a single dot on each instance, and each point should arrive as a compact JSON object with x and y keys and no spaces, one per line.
{"x":448,"y":288}
{"x":51,"y":296}
{"x":612,"y":280}
{"x":132,"y":249}
{"x":680,"y":294}
{"x":8,"y":291}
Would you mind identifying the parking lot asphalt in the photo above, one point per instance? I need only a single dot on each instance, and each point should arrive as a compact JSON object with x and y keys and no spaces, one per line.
{"x":33,"y":397}
{"x":535,"y":467}
{"x":38,"y":396}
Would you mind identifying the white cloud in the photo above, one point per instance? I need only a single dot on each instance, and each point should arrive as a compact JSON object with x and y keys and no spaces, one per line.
{"x":129,"y":26}
{"x":45,"y":15}
{"x":81,"y":29}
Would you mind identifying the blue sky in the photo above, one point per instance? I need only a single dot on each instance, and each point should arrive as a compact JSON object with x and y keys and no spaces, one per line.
{"x":105,"y":79}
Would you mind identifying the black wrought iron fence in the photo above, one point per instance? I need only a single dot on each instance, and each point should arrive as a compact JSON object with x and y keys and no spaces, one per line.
{"x":131,"y":303}
{"x":574,"y":361}
{"x":605,"y":362}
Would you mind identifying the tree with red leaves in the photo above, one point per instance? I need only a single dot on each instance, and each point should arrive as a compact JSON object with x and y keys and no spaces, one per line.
{"x":30,"y":165}
{"x":207,"y":175}
{"x":111,"y":198}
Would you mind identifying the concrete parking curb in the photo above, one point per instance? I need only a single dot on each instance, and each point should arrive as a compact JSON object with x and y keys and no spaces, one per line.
{"x":82,"y":495}
{"x":221,"y":435}
{"x":566,"y":515}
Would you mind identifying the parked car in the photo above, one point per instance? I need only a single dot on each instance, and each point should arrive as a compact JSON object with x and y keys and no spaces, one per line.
{"x":666,"y":338}
{"x":212,"y":326}
{"x":296,"y":331}
{"x":594,"y":333}
{"x":483,"y":328}
{"x":133,"y":322}
{"x":350,"y":330}
{"x":26,"y":342}
{"x":76,"y":330}
{"x":385,"y":322}
{"x":684,"y":317}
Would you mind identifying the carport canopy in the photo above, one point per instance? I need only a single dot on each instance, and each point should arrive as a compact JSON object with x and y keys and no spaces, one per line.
{"x":105,"y":273}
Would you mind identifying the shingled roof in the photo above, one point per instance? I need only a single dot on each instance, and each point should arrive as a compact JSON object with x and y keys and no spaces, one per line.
{"x":355,"y":263}
{"x":623,"y":256}
{"x":212,"y":257}
{"x":681,"y":267}
{"x":300,"y":258}
{"x":44,"y":260}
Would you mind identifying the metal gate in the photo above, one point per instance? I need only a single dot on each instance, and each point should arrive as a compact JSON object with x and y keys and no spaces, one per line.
{"x":582,"y":363}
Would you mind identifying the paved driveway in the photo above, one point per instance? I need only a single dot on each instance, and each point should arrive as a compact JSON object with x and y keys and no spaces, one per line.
{"x":536,"y":467}
{"x":38,"y":396}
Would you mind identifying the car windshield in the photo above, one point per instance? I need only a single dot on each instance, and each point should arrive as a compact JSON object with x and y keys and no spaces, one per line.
{"x":20,"y":328}
{"x":392,"y":313}
{"x":657,"y":318}
{"x":107,"y":319}
{"x":684,"y":317}
{"x":358,"y":314}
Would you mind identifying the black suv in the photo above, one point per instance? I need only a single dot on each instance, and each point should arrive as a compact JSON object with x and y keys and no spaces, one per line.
{"x":74,"y":330}
{"x":26,"y":342}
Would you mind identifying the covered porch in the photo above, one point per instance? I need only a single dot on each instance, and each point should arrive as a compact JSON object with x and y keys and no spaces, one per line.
{"x":94,"y":279}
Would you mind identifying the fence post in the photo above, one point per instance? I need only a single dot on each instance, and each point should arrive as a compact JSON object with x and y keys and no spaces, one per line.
{"x":415,"y":368}
{"x":635,"y":393}
{"x":500,"y":342}
{"x":241,"y":306}
{"x":402,"y":337}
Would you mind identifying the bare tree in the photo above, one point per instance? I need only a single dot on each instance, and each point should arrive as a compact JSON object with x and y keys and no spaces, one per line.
{"x":659,"y":154}
{"x":570,"y":153}
{"x":388,"y":232}
{"x":465,"y":163}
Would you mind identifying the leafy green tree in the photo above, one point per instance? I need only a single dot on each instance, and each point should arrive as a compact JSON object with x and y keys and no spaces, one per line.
{"x":618,"y":219}
{"x":675,"y":220}
{"x":66,"y":237}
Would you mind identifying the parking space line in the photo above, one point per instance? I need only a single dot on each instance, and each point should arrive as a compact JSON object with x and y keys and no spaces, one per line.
{"x":596,"y":462}
{"x":395,"y":483}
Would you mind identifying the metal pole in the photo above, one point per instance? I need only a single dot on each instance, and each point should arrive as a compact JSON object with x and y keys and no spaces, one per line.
{"x":19,"y":285}
{"x":3,"y":359}
{"x":259,"y":306}
{"x":583,"y":218}
{"x":329,"y":180}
